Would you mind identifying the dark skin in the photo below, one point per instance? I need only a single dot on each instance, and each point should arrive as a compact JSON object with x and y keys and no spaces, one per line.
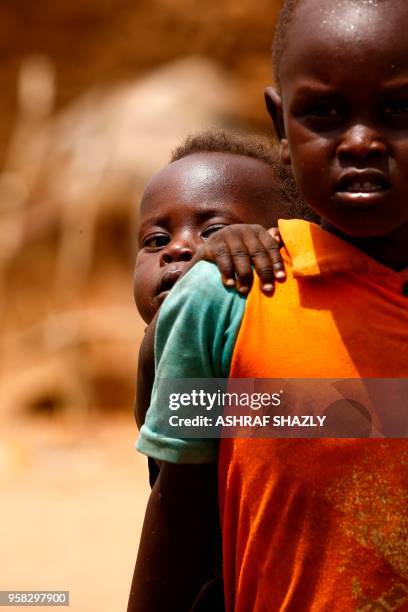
{"x":204,"y":206}
{"x":342,"y":118}
{"x":183,"y":210}
{"x":158,"y":584}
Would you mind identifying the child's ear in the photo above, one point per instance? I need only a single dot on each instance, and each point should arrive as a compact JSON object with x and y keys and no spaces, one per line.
{"x":273,"y":102}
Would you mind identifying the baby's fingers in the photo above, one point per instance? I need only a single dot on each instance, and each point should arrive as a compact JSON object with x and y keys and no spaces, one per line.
{"x":216,"y":249}
{"x":260,"y":246}
{"x":273,"y":242}
{"x":275,"y":233}
{"x":241,"y":263}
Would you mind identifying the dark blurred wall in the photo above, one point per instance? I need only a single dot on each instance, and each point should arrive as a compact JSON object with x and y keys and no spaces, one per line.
{"x":102,"y":41}
{"x":106,"y":89}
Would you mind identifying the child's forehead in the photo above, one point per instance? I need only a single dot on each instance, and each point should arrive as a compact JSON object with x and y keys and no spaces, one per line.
{"x":347,"y":33}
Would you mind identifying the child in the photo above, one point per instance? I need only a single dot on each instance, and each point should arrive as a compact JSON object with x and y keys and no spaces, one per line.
{"x":306,"y":524}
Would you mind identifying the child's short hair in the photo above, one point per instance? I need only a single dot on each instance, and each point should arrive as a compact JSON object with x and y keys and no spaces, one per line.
{"x":257,"y":147}
{"x":281,"y":32}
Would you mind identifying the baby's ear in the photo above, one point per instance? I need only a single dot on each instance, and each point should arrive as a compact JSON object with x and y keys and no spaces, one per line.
{"x":273,"y":102}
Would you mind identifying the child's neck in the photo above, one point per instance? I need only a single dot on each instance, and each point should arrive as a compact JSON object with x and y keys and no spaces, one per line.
{"x":390,"y":250}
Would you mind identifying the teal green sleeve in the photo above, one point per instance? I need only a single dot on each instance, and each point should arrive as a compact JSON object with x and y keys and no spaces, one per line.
{"x":195,"y":337}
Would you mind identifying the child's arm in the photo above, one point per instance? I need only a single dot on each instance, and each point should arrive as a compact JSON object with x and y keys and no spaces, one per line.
{"x":236,"y":248}
{"x":179,"y":548}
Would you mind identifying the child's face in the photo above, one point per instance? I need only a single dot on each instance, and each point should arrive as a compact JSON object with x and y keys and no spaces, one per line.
{"x":184,"y":204}
{"x":344,"y":106}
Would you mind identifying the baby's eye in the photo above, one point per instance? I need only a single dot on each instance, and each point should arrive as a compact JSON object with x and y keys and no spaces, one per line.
{"x":155,"y":241}
{"x":211,"y":230}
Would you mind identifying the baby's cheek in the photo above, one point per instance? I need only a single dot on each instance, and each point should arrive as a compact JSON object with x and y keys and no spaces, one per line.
{"x":144,"y":290}
{"x":145,"y":305}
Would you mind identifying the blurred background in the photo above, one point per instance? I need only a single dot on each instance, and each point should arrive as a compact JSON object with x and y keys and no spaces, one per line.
{"x":94,"y":96}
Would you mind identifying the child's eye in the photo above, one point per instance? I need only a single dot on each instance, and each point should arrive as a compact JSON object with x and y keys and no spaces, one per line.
{"x":211,"y":230}
{"x":395,"y":108}
{"x":324,"y":110}
{"x":155,"y":241}
{"x":322,"y":116}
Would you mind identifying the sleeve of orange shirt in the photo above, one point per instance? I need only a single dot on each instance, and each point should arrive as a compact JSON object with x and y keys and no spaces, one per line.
{"x":196,"y":332}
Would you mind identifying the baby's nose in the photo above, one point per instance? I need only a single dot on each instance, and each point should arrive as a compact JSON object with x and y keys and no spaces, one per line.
{"x":176,"y":251}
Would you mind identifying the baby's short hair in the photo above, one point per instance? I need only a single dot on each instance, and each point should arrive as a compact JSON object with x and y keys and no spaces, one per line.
{"x":257,"y":147}
{"x":221,"y":141}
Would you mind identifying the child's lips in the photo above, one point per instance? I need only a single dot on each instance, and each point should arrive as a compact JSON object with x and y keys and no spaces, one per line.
{"x":362,"y":188}
{"x":362,"y":199}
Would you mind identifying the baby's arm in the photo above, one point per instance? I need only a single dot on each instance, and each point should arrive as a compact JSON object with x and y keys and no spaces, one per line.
{"x":180,"y":544}
{"x":236,"y":248}
{"x":144,"y":385}
{"x":180,"y":547}
{"x":145,"y":373}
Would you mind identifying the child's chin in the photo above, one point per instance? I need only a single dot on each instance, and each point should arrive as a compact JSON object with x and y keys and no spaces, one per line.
{"x":367,"y":231}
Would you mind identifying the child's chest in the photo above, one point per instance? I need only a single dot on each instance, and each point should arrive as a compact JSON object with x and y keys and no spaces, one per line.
{"x":324,"y":328}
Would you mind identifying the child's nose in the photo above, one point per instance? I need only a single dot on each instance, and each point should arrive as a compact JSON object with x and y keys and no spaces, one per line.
{"x":361,"y":142}
{"x":176,"y":251}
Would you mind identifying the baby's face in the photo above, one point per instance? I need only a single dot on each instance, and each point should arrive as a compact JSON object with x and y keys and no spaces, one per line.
{"x":183,"y":205}
{"x":344,"y":87}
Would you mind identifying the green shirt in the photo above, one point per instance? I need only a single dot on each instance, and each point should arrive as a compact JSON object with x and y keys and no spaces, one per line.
{"x":195,"y":337}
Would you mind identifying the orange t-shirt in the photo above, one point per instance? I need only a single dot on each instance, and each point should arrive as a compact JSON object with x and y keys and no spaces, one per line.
{"x":319,"y":524}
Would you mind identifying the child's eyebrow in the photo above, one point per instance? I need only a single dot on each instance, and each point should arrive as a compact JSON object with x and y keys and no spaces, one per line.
{"x":313,"y":88}
{"x":397,"y":85}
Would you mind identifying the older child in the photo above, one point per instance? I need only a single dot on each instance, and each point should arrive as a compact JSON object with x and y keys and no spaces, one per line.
{"x":306,"y":524}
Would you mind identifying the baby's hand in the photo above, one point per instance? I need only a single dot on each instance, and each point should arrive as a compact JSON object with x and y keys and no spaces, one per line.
{"x":236,"y":248}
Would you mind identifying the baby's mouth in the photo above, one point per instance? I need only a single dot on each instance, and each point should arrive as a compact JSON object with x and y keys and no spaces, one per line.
{"x":169,"y":279}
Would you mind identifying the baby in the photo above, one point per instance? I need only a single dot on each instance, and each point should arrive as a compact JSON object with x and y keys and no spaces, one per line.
{"x":214,"y":180}
{"x":213,"y":201}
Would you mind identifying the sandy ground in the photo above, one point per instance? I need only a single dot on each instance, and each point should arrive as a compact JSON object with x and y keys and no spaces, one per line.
{"x":72,"y":503}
